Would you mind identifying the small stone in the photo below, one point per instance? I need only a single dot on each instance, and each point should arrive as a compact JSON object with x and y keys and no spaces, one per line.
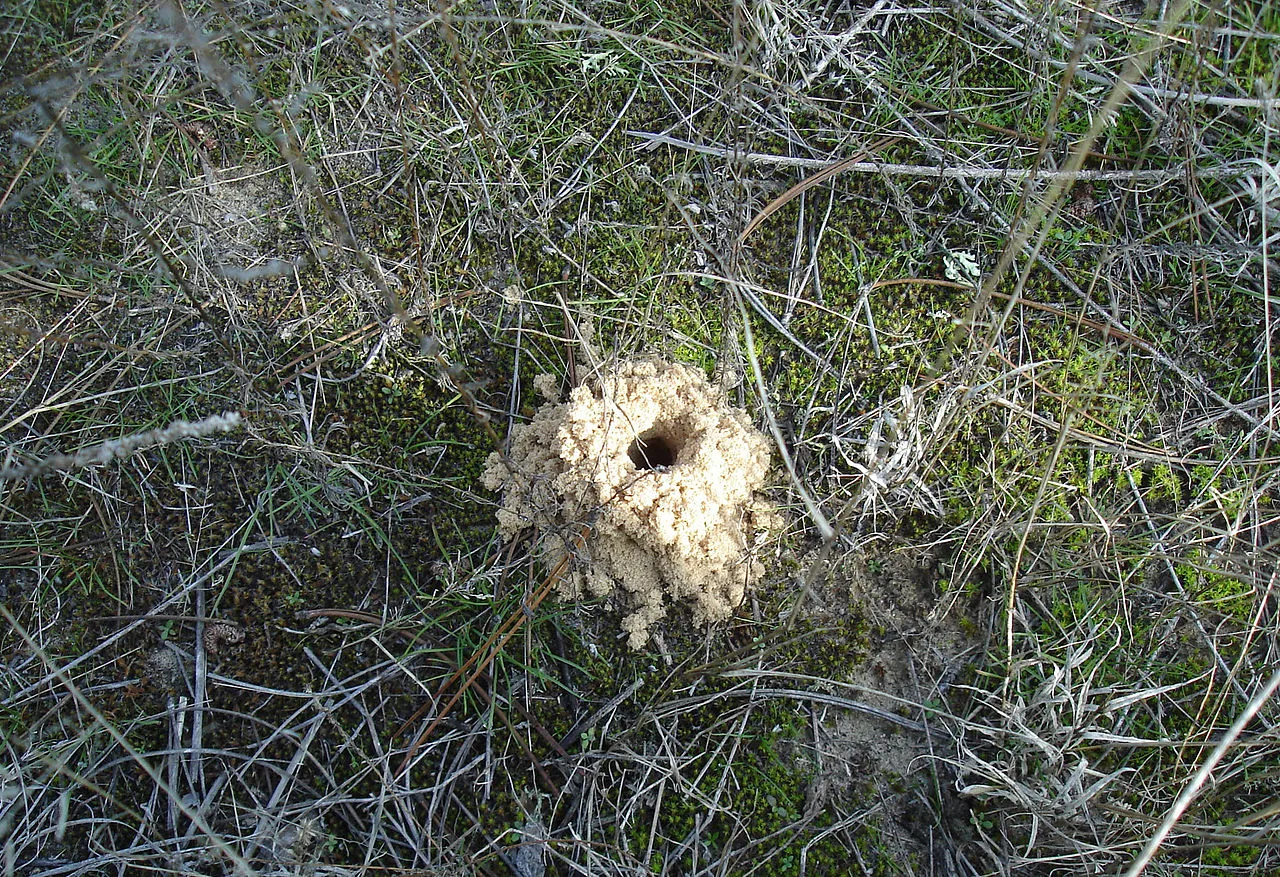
{"x":162,"y":668}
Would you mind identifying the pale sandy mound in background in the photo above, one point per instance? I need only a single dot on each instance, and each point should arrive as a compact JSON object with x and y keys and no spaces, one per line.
{"x":665,"y":477}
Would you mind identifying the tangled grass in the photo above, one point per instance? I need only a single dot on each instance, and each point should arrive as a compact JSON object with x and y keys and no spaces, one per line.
{"x":996,"y":278}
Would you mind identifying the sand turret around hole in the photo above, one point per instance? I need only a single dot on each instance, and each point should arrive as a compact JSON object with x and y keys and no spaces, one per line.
{"x":666,"y":479}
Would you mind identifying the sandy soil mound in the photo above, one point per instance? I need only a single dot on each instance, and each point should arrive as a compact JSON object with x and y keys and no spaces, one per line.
{"x":665,"y":477}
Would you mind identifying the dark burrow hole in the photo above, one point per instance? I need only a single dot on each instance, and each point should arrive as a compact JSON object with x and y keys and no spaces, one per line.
{"x":651,"y":450}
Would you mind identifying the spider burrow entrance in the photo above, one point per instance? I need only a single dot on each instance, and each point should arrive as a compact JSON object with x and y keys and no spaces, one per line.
{"x":654,"y":448}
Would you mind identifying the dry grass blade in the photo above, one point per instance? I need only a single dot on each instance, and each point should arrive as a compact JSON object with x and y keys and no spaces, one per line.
{"x":197,"y":819}
{"x":480,"y":660}
{"x":809,"y":182}
{"x":1201,"y":777}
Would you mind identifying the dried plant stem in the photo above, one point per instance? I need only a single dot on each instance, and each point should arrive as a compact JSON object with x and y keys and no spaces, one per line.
{"x":809,"y":182}
{"x":113,"y":449}
{"x":485,"y":655}
{"x":1202,"y":775}
{"x":947,"y":172}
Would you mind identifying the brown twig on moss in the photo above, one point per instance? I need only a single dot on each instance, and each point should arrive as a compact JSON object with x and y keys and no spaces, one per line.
{"x":482,"y":657}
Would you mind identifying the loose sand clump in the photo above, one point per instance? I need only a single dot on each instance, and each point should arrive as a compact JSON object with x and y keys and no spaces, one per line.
{"x":663,"y":479}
